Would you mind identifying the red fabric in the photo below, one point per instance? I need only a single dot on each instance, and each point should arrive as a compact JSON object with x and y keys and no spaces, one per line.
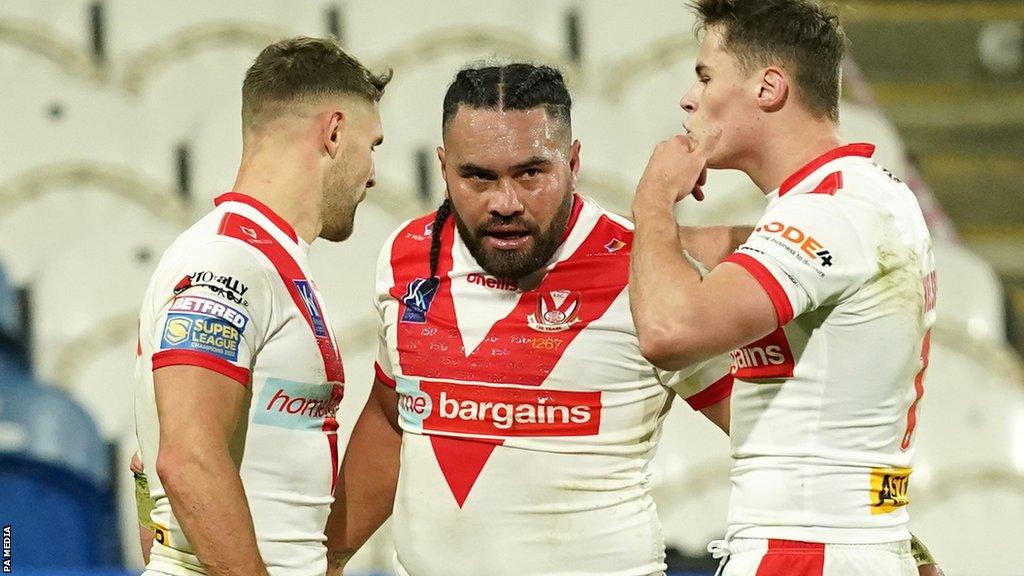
{"x":594,"y":282}
{"x":574,"y":215}
{"x":384,"y":378}
{"x":713,"y":394}
{"x":167,"y":358}
{"x":861,"y":150}
{"x":244,"y":229}
{"x":771,"y":286}
{"x":789,"y":558}
{"x":830,"y":185}
{"x":263,"y":209}
{"x":926,"y":347}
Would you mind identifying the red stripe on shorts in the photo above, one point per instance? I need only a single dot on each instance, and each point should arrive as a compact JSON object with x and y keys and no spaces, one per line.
{"x":790,"y":558}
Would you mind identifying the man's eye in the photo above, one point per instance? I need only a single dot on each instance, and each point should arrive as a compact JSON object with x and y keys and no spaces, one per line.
{"x":531,"y":172}
{"x":704,"y":79}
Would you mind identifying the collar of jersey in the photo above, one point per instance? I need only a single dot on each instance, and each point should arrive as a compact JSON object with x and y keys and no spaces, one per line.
{"x":577,"y":206}
{"x":262,"y":208}
{"x":860,"y":150}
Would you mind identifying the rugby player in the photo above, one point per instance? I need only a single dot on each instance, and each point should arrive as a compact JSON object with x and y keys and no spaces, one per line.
{"x":826,"y":308}
{"x":239,"y":374}
{"x":513,"y":418}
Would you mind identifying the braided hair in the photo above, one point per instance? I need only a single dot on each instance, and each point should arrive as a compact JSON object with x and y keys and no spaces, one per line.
{"x":516,"y":86}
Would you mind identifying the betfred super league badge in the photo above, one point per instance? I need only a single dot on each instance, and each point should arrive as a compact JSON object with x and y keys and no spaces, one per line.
{"x":556,"y":311}
{"x":418,"y":296}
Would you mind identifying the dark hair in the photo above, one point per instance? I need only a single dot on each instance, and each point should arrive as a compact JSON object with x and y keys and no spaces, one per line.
{"x":800,"y":33}
{"x":443,"y":211}
{"x":304,"y":68}
{"x":510,"y":87}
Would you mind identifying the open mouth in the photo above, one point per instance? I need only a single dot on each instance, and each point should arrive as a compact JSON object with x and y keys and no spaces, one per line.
{"x":506,"y":238}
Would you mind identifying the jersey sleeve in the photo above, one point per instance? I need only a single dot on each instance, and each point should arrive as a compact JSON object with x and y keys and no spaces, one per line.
{"x":216,"y":311}
{"x":702,"y":385}
{"x":385,"y":306}
{"x":805,"y":253}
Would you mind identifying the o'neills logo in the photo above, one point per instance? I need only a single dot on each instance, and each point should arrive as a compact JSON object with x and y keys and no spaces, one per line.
{"x":497,"y":410}
{"x":768,"y":358}
{"x":489,"y":282}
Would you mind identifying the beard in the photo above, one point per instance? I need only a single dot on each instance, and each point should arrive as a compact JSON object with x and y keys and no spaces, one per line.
{"x":338,"y":223}
{"x":512,"y":265}
{"x":340,"y":200}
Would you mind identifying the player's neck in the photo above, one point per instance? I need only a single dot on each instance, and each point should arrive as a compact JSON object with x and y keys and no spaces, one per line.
{"x":791,"y":149}
{"x":287,"y":182}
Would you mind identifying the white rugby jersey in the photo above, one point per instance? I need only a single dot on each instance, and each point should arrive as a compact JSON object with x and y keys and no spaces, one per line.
{"x":529,"y":417}
{"x":824,"y":408}
{"x":233,"y":294}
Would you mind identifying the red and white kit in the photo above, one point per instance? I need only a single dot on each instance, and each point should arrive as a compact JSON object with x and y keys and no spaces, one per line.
{"x":824,"y":408}
{"x":529,"y":417}
{"x":233,"y":294}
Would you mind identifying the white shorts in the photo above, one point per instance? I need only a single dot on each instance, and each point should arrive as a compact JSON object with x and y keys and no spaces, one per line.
{"x":759,"y":557}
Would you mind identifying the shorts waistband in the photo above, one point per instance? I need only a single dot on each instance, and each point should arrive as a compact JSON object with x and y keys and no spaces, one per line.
{"x":740,"y":545}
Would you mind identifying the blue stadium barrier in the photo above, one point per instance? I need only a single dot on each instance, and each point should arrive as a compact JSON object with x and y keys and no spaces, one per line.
{"x":55,"y":484}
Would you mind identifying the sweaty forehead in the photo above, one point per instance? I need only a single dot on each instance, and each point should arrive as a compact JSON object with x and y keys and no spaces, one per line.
{"x":501,"y":136}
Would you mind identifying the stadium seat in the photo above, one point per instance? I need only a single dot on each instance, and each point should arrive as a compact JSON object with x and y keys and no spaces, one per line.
{"x":968,"y":481}
{"x":690,"y":480}
{"x":970,"y":294}
{"x":98,"y":276}
{"x":10,"y":308}
{"x":54,"y":479}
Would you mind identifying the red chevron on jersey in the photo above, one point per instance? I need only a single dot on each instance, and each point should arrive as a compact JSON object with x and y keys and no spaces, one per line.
{"x":575,"y":292}
{"x":244,"y":229}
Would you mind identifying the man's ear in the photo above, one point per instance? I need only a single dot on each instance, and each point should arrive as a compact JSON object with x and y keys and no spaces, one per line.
{"x":444,"y":173}
{"x":574,"y":162}
{"x":772,"y":89}
{"x":332,"y":131}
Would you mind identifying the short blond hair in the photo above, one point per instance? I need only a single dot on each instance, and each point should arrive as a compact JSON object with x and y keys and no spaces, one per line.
{"x":303,"y":69}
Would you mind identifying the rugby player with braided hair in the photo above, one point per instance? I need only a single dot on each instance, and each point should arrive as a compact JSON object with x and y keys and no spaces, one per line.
{"x":513,"y":419}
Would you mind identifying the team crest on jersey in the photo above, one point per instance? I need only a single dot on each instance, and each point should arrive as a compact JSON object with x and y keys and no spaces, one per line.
{"x":315,"y":313}
{"x":418,"y":297}
{"x":556,"y":311}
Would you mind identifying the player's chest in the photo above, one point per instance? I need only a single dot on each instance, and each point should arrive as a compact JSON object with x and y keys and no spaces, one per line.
{"x":475,"y":328}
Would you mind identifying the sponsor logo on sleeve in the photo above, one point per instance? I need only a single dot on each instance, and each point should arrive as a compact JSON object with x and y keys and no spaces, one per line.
{"x":221,"y":285}
{"x":889,"y":489}
{"x":313,"y":306}
{"x":297,"y":405}
{"x":556,"y":311}
{"x":805,"y":247}
{"x":418,"y":297}
{"x":204,"y":325}
{"x":496,"y":411}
